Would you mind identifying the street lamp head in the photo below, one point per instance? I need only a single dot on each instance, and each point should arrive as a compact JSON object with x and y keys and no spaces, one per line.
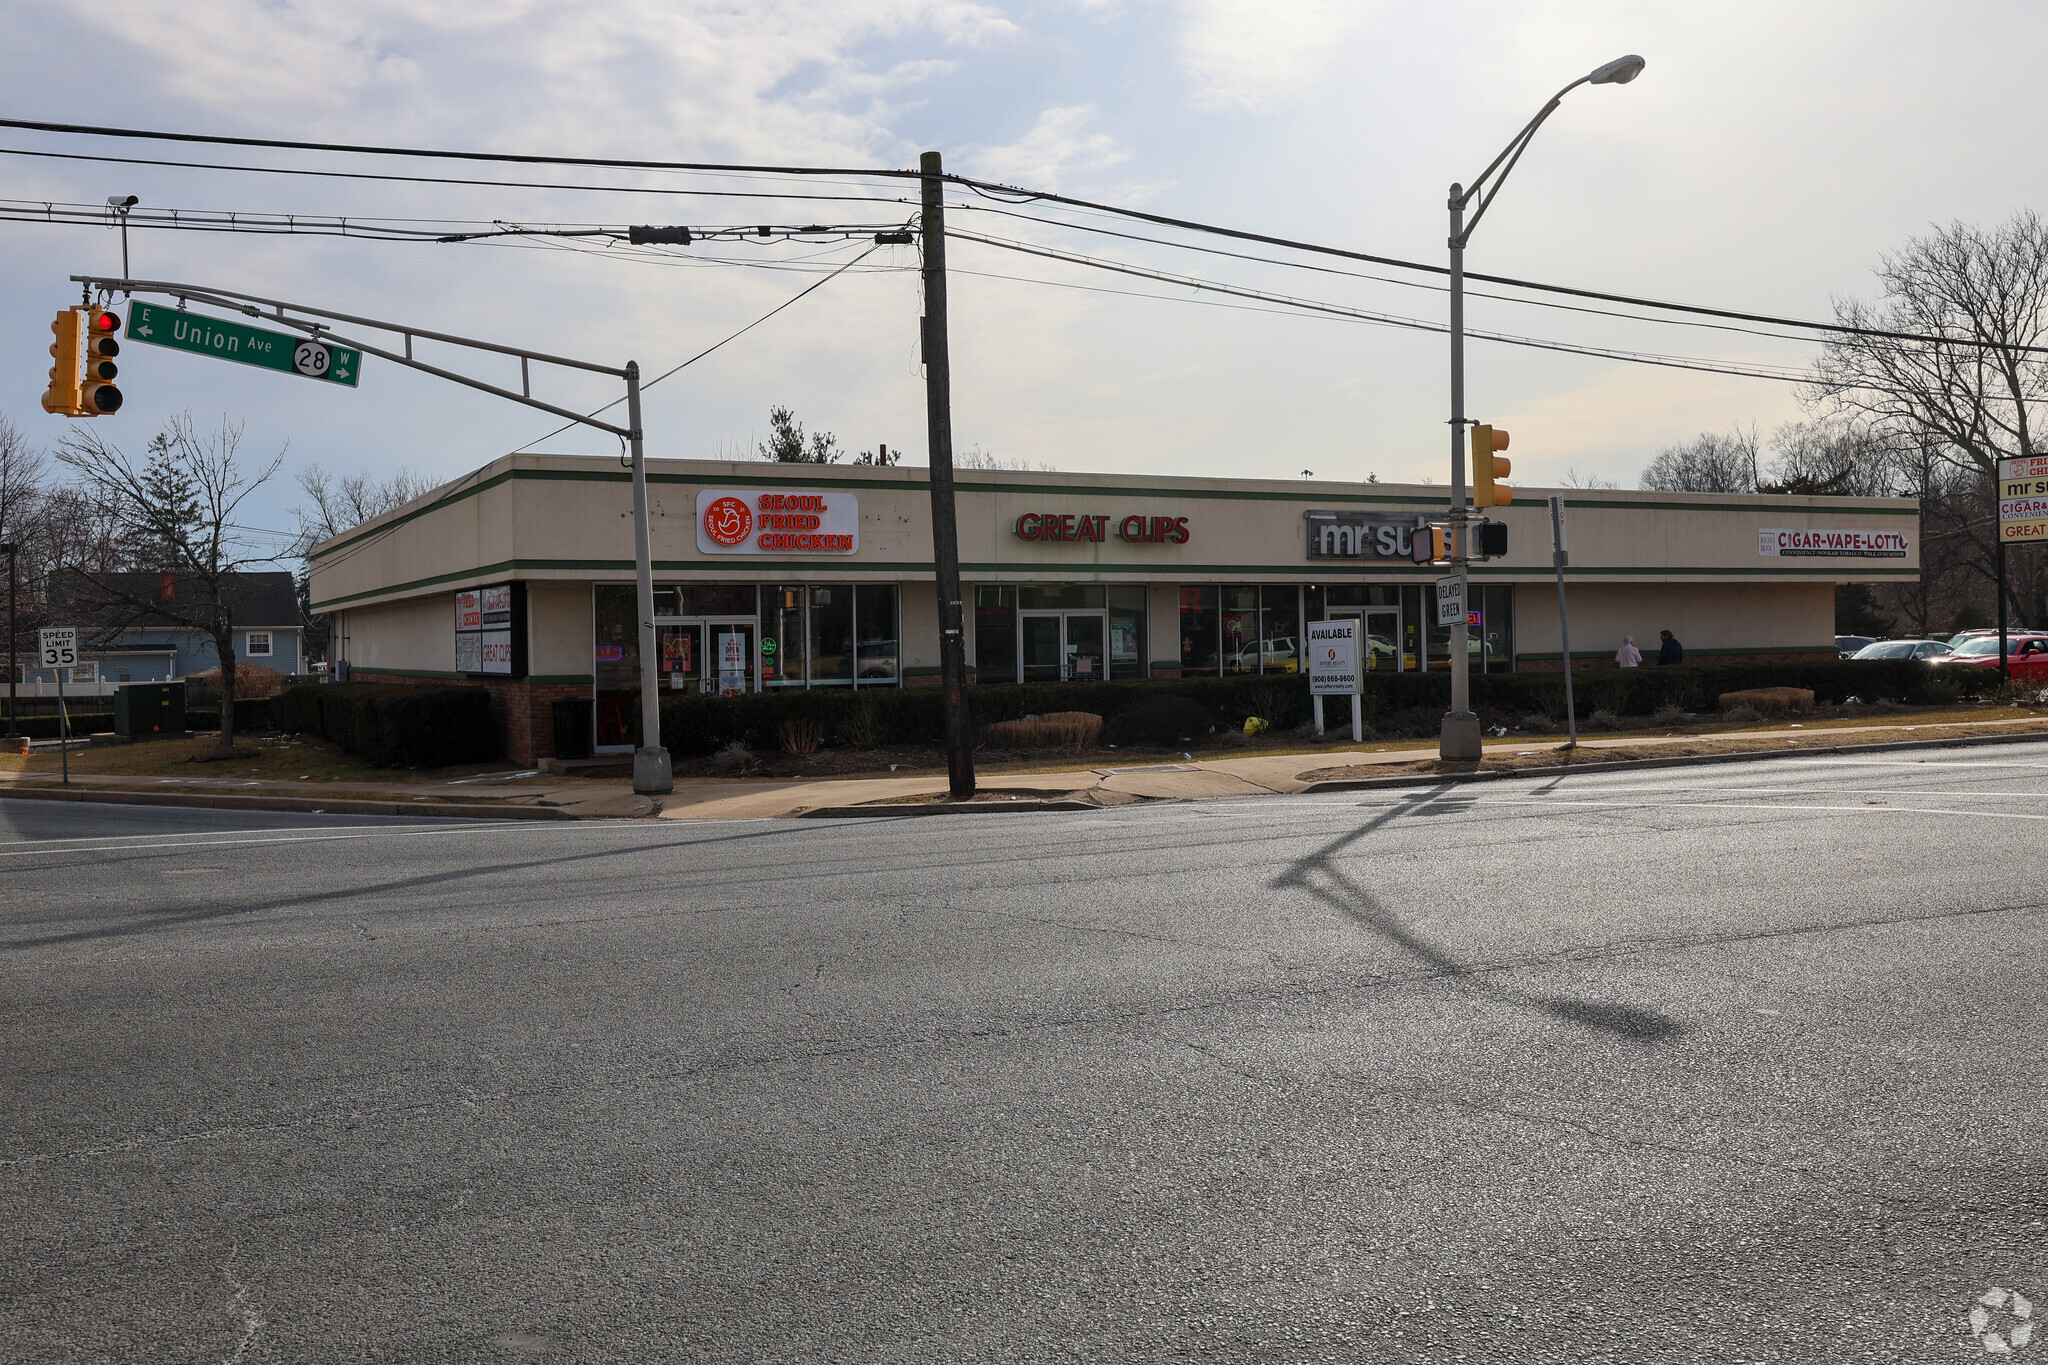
{"x":1620,"y":71}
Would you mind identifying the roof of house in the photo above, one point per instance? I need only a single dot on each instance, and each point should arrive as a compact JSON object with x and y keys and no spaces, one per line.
{"x":256,"y":600}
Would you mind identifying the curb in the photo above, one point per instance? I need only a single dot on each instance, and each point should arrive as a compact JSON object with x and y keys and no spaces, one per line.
{"x":304,"y":805}
{"x":1683,"y":761}
{"x":936,"y":808}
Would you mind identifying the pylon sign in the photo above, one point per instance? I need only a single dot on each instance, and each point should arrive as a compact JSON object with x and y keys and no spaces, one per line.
{"x":179,"y":330}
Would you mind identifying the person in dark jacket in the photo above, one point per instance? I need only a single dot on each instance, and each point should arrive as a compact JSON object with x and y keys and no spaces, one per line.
{"x":1670,"y":652}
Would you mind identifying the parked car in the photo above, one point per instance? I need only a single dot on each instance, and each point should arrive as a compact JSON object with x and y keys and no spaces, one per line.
{"x":2026,"y":655}
{"x":1277,"y":653}
{"x":1902,"y":649}
{"x":1847,"y":645}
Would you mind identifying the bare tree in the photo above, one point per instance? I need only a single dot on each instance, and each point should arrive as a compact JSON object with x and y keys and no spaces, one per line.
{"x":1831,"y":459}
{"x":1971,"y":401}
{"x":146,"y":506}
{"x":1574,"y":479}
{"x":974,"y":457}
{"x":1709,"y":463}
{"x":339,"y":503}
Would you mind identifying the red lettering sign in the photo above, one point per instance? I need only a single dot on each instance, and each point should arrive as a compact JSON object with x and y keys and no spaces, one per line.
{"x":1093,"y":526}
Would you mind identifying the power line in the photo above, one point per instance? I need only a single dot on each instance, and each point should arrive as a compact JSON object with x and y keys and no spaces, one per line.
{"x":518,"y":158}
{"x":1391,"y":319}
{"x":451,"y":180}
{"x":1008,"y":194}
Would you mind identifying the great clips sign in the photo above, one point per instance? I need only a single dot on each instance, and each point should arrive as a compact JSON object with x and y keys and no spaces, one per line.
{"x":1069,"y":527}
{"x":798,"y":522}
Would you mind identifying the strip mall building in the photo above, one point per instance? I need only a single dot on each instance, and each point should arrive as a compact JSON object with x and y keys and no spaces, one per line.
{"x":520,"y":576}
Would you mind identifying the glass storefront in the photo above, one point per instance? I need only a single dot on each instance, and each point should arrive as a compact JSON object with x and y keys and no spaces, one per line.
{"x":1060,"y":632}
{"x":1242,"y":630}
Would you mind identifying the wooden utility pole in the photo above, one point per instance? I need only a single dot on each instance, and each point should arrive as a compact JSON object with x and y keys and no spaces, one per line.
{"x":938,"y":407}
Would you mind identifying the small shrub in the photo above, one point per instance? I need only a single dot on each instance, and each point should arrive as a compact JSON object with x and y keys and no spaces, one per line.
{"x":801,"y":737}
{"x":1885,"y":706}
{"x":862,"y":727}
{"x":1742,"y":713}
{"x":1537,"y":722}
{"x":733,"y":759}
{"x":1161,"y":721}
{"x":1060,"y":730}
{"x":1601,"y":720}
{"x":1944,"y":693}
{"x":1669,"y":715}
{"x":1272,"y":704}
{"x":1234,"y":739}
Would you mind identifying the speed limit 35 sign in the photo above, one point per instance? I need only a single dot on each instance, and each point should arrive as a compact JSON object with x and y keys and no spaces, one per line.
{"x":59,"y":646}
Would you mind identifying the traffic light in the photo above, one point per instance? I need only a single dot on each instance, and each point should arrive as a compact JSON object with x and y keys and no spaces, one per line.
{"x":98,"y":394}
{"x":1490,"y":539}
{"x":63,"y":397}
{"x":1487,"y":466}
{"x":1430,"y":545}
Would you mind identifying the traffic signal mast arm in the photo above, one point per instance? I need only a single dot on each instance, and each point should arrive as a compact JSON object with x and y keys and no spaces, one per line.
{"x":274,"y":310}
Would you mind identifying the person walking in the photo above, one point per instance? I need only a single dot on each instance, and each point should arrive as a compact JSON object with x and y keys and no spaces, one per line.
{"x":1669,"y":652}
{"x":1628,"y":656}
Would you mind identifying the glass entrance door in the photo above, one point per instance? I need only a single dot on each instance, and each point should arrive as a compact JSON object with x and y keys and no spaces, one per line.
{"x":1087,"y":654}
{"x":1056,"y":646}
{"x":1379,"y":637}
{"x":710,"y":655}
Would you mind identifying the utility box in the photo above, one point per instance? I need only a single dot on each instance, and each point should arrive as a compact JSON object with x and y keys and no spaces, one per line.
{"x":145,"y":709}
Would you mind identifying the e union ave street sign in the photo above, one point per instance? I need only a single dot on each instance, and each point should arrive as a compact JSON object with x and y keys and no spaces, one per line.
{"x":223,"y":340}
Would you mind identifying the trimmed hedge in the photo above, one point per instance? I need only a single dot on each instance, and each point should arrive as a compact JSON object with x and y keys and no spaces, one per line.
{"x":395,"y":727}
{"x":83,"y":723}
{"x":697,"y":724}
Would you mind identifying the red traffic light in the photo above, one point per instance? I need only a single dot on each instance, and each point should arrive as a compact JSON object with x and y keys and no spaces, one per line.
{"x":103,"y":321}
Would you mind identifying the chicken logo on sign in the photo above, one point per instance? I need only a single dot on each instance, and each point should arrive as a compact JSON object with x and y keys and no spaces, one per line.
{"x":728,"y":521}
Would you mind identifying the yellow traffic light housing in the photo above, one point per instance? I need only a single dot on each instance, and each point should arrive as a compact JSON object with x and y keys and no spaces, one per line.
{"x":1488,"y":467}
{"x":63,"y":397}
{"x":97,"y":394}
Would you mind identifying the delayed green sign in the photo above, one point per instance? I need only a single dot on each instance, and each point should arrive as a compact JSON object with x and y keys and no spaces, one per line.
{"x":223,"y":340}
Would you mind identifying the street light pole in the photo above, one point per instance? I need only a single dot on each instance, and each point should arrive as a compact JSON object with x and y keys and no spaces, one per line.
{"x":13,"y":673}
{"x":652,"y":773}
{"x":1460,"y":739}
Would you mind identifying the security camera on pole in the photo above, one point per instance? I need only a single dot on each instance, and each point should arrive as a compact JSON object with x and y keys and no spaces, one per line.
{"x":1460,"y":740}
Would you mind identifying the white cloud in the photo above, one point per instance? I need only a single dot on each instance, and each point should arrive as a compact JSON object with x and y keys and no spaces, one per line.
{"x":1057,"y":143}
{"x":1254,"y":54}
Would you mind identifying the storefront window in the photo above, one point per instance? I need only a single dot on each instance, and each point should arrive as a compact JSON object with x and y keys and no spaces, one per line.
{"x":876,"y":650}
{"x":1240,"y":630}
{"x":1040,"y":596}
{"x":1411,"y":626}
{"x":1200,"y":631}
{"x":1127,"y":643}
{"x":832,"y":635}
{"x":1280,"y":630}
{"x":1497,"y":626}
{"x":995,"y":634}
{"x":720,"y":600}
{"x":782,"y":620}
{"x":617,"y":665}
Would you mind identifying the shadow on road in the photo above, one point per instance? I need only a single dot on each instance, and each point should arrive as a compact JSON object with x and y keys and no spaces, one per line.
{"x":1319,"y":875}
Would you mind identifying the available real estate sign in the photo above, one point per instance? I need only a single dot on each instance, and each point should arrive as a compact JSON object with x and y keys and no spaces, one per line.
{"x":2023,"y":500}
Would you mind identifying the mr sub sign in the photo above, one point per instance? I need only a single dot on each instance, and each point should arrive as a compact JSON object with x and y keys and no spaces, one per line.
{"x":1359,"y":535}
{"x":2023,"y":500}
{"x":792,"y":522}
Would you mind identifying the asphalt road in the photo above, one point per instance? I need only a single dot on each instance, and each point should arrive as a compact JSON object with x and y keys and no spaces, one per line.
{"x":1739,"y":1063}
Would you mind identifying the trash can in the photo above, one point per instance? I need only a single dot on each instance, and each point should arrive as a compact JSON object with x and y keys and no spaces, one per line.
{"x":573,"y":719}
{"x":145,"y":709}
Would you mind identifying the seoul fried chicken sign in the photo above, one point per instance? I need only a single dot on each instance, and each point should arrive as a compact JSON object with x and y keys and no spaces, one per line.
{"x":801,"y":522}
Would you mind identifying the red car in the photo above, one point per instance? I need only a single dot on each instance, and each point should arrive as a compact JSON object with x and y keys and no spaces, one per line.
{"x":2026,"y":654}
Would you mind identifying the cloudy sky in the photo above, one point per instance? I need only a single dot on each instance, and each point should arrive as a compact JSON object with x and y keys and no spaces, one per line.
{"x":1765,"y":159}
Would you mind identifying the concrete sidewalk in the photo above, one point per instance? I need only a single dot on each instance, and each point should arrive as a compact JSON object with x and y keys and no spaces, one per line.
{"x":516,"y":794}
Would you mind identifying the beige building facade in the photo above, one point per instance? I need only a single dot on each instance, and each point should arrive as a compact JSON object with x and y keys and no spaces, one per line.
{"x":520,"y":576}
